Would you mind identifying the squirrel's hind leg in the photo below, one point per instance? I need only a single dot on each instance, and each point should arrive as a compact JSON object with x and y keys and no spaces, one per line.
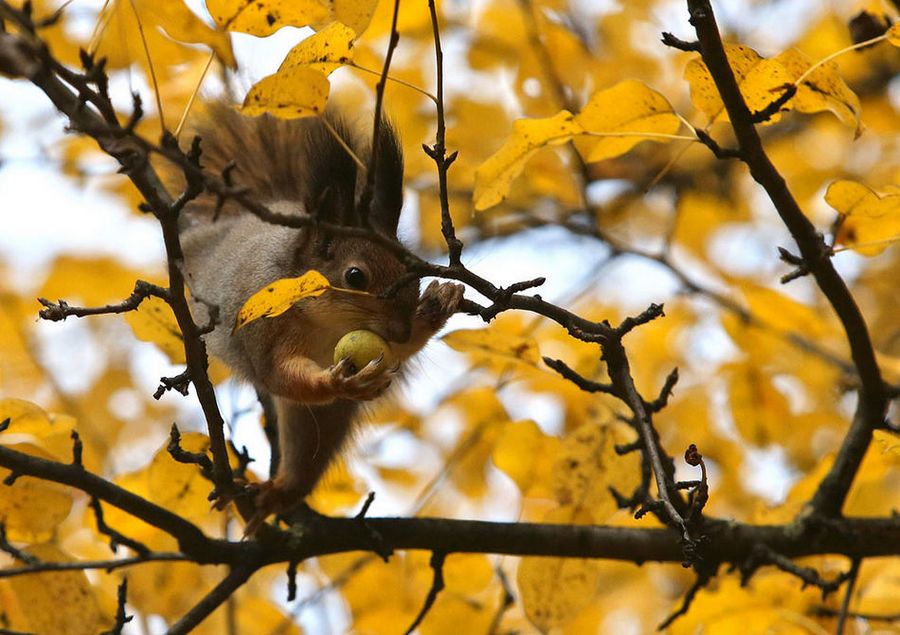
{"x":309,"y":437}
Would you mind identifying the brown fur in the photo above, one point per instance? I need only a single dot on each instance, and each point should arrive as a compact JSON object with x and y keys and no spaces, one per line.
{"x":297,"y":167}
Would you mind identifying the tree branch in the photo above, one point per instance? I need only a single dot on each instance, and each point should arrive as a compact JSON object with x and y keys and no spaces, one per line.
{"x":191,"y":540}
{"x":60,"y":310}
{"x":832,"y":491}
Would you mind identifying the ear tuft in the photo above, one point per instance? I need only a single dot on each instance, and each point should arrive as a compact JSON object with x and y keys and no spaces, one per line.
{"x":388,"y":195}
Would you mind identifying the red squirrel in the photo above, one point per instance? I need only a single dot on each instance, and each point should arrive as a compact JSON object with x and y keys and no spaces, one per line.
{"x":305,"y":167}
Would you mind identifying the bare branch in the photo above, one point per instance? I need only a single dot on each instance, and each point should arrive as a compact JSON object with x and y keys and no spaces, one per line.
{"x":585,"y":384}
{"x":115,"y":538}
{"x":762,"y":554}
{"x":665,"y":392}
{"x":832,"y":492}
{"x":438,"y":152}
{"x":60,"y":310}
{"x":190,"y":538}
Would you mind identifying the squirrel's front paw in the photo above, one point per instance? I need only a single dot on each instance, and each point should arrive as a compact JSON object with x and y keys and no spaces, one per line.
{"x":368,"y":383}
{"x":439,"y":301}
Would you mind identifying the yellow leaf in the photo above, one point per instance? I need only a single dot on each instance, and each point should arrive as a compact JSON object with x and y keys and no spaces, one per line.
{"x":871,"y":223}
{"x":413,"y":17}
{"x":822,"y":89}
{"x":759,"y":80}
{"x":700,"y":215}
{"x":262,"y":18}
{"x":338,"y":491}
{"x":467,"y":573}
{"x":484,"y":417}
{"x":459,"y":614}
{"x":778,"y":311}
{"x":520,"y":446}
{"x":52,"y":432}
{"x":276,"y":298}
{"x":495,"y":176}
{"x":893,"y":34}
{"x":327,"y":50}
{"x":180,"y":487}
{"x":181,"y":24}
{"x":136,"y":33}
{"x":259,"y":615}
{"x":770,"y":603}
{"x":168,"y":589}
{"x":759,"y":410}
{"x":32,"y":508}
{"x":490,"y":343}
{"x":629,"y":106}
{"x":356,"y":14}
{"x":889,"y":364}
{"x":20,"y":371}
{"x":59,"y":601}
{"x":879,"y":588}
{"x":393,"y":609}
{"x":153,"y":321}
{"x":93,"y":281}
{"x":584,"y":469}
{"x":889,"y":441}
{"x":291,"y":93}
{"x":555,"y":590}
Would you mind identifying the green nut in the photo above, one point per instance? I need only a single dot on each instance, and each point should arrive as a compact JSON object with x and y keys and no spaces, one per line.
{"x":362,"y":347}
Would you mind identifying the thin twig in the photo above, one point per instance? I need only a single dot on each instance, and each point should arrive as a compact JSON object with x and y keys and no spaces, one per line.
{"x":121,"y":617}
{"x":60,"y":310}
{"x":86,"y":565}
{"x":437,"y":585}
{"x":116,"y":538}
{"x":438,"y":152}
{"x":689,"y":596}
{"x":222,"y":591}
{"x":582,"y":382}
{"x":852,"y":576}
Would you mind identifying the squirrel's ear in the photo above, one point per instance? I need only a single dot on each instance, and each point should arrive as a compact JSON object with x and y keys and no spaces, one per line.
{"x":388,"y":195}
{"x":330,"y":172}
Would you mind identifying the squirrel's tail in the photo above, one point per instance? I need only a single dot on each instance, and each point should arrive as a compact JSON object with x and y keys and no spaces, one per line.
{"x":315,"y":161}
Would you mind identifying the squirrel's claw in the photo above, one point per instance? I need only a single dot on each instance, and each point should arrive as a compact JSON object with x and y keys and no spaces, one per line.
{"x":368,"y":383}
{"x":243,"y":488}
{"x":272,"y":497}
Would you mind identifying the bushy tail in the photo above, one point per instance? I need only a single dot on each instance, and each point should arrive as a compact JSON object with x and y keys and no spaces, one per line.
{"x":304,"y":160}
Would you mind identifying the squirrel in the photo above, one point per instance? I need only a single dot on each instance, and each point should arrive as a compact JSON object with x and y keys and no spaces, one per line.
{"x":305,"y":167}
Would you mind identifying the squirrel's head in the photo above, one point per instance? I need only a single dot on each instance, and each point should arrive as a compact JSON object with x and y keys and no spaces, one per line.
{"x":333,"y":193}
{"x":383,"y":304}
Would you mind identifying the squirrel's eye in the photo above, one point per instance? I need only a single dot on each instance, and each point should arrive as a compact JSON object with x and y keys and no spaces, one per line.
{"x":356,"y":278}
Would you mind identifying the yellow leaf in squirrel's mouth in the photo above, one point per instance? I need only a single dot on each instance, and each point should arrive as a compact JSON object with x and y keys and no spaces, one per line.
{"x":276,"y":298}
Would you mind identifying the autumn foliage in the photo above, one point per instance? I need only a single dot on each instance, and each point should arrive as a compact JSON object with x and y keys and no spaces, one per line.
{"x":689,"y":420}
